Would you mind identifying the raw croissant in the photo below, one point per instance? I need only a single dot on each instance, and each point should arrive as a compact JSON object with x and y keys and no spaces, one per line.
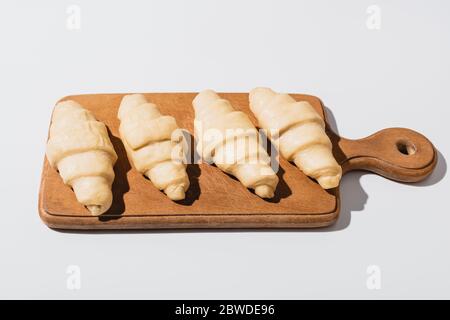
{"x":154,"y":145}
{"x":230,"y":140}
{"x":80,"y":148}
{"x":300,"y":134}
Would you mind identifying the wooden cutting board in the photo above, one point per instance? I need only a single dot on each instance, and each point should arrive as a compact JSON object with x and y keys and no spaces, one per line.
{"x":216,"y":200}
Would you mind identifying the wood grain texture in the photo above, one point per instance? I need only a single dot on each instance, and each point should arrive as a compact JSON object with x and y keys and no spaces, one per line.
{"x":215,"y":199}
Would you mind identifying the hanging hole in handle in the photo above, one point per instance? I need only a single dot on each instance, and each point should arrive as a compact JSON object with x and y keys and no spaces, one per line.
{"x":405,"y":147}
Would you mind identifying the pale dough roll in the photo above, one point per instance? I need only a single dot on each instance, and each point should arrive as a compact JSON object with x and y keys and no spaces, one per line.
{"x":230,"y":140}
{"x":299,"y":132}
{"x":154,"y":145}
{"x":80,"y":149}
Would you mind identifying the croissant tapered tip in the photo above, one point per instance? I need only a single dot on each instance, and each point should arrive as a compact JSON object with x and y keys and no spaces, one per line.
{"x":258,"y":96}
{"x":130,"y":101}
{"x":264,"y":191}
{"x":95,"y":210}
{"x":175,"y":192}
{"x":261,"y":91}
{"x":329,"y":182}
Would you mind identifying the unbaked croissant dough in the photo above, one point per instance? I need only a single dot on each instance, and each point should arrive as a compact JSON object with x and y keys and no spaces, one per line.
{"x":154,"y":144}
{"x":300,"y":134}
{"x":80,"y":148}
{"x":229,"y":139}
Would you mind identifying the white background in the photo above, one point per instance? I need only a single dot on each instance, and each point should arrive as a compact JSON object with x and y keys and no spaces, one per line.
{"x":398,"y":75}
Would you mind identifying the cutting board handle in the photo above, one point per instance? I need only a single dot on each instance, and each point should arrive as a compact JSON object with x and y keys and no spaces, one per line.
{"x":396,"y":153}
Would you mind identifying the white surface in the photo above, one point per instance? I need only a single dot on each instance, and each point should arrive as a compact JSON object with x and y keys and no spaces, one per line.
{"x":398,"y":75}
